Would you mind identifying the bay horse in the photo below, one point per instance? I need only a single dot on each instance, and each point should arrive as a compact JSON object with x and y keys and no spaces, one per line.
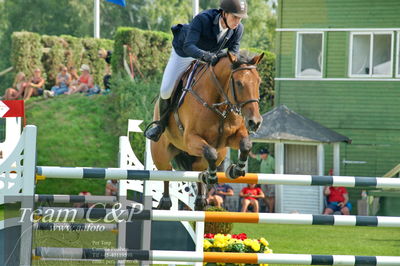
{"x":219,"y":111}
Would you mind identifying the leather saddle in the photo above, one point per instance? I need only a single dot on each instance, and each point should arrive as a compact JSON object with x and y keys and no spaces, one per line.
{"x":181,"y":85}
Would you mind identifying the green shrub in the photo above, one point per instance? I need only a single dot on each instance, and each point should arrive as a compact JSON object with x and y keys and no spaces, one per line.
{"x":27,"y":52}
{"x":151,"y":49}
{"x":30,"y":50}
{"x":134,"y":100}
{"x":266,"y":69}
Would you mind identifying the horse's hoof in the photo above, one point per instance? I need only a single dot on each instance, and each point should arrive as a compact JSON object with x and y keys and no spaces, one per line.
{"x":200,"y":203}
{"x":165,"y":203}
{"x":208,"y":179}
{"x":232,"y":172}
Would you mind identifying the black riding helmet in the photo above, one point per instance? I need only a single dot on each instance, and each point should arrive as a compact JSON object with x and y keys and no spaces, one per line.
{"x":236,"y":7}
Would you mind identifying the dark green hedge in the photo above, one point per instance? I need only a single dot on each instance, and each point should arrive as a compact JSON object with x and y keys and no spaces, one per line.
{"x":266,"y":68}
{"x":30,"y":50}
{"x":27,"y":52}
{"x":151,"y":48}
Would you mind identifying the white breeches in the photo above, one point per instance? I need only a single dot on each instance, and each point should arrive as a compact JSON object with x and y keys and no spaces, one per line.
{"x":175,"y":67}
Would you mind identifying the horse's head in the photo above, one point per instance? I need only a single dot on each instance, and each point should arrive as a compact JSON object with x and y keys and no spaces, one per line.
{"x":243,"y":88}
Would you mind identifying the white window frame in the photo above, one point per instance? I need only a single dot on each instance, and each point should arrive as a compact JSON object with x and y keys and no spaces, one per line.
{"x":298,"y":54}
{"x":397,"y":61}
{"x":371,"y":52}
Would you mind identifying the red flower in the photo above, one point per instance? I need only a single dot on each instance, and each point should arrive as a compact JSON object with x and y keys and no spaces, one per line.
{"x":209,"y":235}
{"x":241,"y":236}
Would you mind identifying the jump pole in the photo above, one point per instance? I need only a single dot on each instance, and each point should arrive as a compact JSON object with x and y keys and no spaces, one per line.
{"x":228,"y":257}
{"x":43,"y":172}
{"x":88,"y":227}
{"x":221,"y":217}
{"x":54,"y":198}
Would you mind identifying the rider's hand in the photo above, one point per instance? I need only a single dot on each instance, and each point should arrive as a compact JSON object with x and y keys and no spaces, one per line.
{"x":211,"y":58}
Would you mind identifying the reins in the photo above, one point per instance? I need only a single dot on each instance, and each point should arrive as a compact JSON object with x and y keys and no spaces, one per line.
{"x":231,"y":107}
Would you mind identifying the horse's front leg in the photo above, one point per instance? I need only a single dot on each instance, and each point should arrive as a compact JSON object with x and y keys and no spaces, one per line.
{"x":165,"y":202}
{"x":199,"y":147}
{"x":236,"y":170}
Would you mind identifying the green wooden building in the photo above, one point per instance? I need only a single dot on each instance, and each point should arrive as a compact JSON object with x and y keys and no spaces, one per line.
{"x":338,"y":63}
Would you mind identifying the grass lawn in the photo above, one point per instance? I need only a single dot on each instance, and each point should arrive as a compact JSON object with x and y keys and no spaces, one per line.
{"x":289,"y":239}
{"x":74,"y":130}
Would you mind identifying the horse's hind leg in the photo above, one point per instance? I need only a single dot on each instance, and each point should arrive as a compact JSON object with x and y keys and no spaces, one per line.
{"x":237,"y":170}
{"x":165,"y":201}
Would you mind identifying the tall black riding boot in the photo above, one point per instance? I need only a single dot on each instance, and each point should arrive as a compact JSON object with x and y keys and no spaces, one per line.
{"x":154,"y":133}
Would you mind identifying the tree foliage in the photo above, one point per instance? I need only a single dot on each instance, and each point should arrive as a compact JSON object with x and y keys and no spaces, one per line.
{"x":260,"y":26}
{"x":75,"y":18}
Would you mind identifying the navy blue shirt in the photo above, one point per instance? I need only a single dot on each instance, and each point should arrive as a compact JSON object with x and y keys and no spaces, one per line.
{"x":200,"y":36}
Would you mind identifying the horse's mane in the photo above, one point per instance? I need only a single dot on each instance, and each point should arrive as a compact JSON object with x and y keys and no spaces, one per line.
{"x":243,"y":58}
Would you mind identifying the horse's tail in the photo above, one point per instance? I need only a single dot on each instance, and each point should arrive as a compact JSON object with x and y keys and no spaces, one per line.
{"x":183,"y":161}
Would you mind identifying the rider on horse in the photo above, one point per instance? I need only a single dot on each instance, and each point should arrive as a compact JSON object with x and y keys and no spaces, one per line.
{"x":210,"y":31}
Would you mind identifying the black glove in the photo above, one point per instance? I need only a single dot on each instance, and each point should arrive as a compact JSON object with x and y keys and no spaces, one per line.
{"x":210,"y":58}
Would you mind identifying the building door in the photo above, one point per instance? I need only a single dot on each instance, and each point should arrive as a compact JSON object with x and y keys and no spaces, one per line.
{"x":300,"y":160}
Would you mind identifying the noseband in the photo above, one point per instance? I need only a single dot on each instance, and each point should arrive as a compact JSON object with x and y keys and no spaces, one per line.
{"x":239,"y":105}
{"x":232,"y":107}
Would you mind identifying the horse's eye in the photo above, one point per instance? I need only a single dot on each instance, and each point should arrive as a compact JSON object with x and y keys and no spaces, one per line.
{"x":239,"y":84}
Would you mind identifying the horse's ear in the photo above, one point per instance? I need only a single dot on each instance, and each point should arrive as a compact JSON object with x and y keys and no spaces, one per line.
{"x":232,"y":57}
{"x":257,"y":59}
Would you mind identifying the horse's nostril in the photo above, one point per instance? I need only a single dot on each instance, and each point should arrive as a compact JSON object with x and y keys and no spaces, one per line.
{"x":251,"y":124}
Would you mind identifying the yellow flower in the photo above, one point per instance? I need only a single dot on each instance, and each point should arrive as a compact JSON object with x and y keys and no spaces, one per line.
{"x":268,"y":251}
{"x":263,"y":264}
{"x":264,"y":241}
{"x":248,"y":242}
{"x":255,"y":246}
{"x":206,"y":244}
{"x":239,"y":241}
{"x":232,"y":241}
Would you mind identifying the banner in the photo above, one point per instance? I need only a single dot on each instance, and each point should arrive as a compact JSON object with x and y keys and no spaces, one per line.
{"x":118,"y":2}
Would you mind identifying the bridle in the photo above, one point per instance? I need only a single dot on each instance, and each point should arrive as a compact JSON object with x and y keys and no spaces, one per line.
{"x":231,"y":107}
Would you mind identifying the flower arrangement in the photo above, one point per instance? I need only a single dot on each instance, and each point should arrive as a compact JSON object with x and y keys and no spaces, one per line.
{"x":235,"y":243}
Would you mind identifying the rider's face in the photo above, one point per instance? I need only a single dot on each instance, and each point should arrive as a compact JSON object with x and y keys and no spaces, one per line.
{"x":232,"y":20}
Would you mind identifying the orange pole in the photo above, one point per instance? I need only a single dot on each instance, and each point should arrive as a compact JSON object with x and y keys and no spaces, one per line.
{"x":249,"y":258}
{"x":227,"y":217}
{"x":250,"y":179}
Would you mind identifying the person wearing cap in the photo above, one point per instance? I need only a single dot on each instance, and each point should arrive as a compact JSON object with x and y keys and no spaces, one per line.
{"x":267,"y":166}
{"x":85,"y":81}
{"x":210,"y":31}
